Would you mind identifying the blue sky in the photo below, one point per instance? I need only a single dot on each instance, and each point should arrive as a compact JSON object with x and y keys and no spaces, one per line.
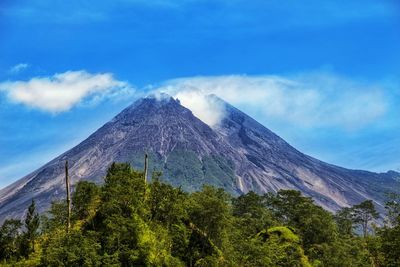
{"x":324,"y":75}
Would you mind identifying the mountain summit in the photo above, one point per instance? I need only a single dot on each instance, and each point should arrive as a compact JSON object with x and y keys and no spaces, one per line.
{"x":238,"y":154}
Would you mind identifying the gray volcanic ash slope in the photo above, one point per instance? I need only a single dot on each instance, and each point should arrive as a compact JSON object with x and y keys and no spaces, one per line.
{"x":239,"y":155}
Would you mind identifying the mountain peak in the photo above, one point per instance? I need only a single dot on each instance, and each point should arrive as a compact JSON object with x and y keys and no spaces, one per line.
{"x":159,"y":96}
{"x":149,"y":106}
{"x":239,"y":154}
{"x":155,"y":98}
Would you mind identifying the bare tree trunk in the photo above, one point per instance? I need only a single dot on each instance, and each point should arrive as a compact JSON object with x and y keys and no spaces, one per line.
{"x":145,"y":167}
{"x":68,"y":197}
{"x":365,"y":228}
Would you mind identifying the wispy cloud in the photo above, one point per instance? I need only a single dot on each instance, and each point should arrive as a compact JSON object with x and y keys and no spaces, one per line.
{"x":308,"y":100}
{"x":306,"y":14}
{"x":62,"y":91}
{"x":18,"y":68}
{"x":207,"y":109}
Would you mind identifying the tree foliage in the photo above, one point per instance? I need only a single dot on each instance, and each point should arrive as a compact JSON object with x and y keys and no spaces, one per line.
{"x":32,"y":226}
{"x":363,"y":214}
{"x":126,"y":222}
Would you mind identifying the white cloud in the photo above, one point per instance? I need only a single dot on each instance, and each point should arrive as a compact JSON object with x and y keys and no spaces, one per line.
{"x":203,"y":107}
{"x":208,"y":109}
{"x":308,"y":100}
{"x":62,"y":91}
{"x":18,"y":68}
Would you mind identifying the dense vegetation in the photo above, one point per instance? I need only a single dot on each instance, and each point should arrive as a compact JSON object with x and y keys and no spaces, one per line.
{"x":126,"y":222}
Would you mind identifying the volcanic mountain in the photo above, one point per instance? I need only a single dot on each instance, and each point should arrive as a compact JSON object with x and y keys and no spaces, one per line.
{"x":239,"y":154}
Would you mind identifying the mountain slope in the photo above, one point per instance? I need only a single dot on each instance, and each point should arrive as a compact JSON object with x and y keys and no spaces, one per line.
{"x":239,"y":154}
{"x":277,"y":165}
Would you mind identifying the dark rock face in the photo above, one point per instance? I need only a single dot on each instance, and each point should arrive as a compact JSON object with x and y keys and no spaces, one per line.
{"x":239,"y":155}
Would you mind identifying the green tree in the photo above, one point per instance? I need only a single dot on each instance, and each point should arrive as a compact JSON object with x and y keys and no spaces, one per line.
{"x":344,"y":220}
{"x":211,"y":211}
{"x":389,"y":235}
{"x":166,"y":203}
{"x":210,"y":220}
{"x":32,"y":223}
{"x":126,"y":222}
{"x":116,"y":221}
{"x":278,"y":246}
{"x":315,"y":225}
{"x":121,"y":222}
{"x":85,"y":200}
{"x":9,"y":236}
{"x":363,"y":214}
{"x":123,"y":191}
{"x":72,"y":249}
{"x":392,"y":206}
{"x":344,"y":252}
{"x":390,"y":245}
{"x":56,"y":217}
{"x":168,"y":207}
{"x":251,"y":213}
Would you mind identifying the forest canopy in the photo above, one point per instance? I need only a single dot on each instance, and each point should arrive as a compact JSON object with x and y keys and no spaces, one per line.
{"x":128,"y":222}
